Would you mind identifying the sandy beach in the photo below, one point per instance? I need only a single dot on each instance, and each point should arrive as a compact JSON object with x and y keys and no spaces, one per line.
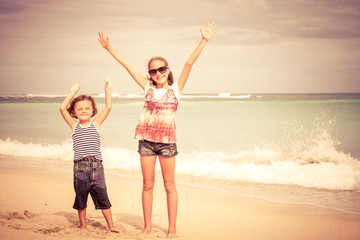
{"x":36,"y":203}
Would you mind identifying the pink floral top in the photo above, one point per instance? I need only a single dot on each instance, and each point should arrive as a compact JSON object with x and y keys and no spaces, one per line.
{"x":157,"y":120}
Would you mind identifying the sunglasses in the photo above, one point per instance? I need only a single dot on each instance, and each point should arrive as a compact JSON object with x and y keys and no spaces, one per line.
{"x":161,"y":70}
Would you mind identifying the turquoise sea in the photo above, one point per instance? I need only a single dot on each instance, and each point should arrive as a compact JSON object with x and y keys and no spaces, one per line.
{"x":293,"y":148}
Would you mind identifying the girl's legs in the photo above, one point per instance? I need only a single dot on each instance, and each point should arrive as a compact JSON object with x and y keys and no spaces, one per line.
{"x":168,"y":173}
{"x":148,"y":172}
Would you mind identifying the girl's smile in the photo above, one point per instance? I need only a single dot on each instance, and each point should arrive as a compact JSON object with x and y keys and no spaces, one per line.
{"x":160,"y":78}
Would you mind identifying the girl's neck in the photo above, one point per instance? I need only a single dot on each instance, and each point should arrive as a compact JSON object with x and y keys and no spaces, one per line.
{"x":163,"y":86}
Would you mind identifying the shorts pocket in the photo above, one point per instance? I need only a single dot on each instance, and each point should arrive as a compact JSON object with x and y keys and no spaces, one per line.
{"x":80,"y":167}
{"x":172,"y":149}
{"x":145,"y":148}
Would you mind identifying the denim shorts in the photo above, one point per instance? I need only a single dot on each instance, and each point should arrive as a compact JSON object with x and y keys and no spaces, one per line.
{"x":89,"y":178}
{"x":148,"y":148}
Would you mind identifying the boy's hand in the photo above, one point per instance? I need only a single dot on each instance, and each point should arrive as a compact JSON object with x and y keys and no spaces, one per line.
{"x":108,"y":83}
{"x":74,"y":88}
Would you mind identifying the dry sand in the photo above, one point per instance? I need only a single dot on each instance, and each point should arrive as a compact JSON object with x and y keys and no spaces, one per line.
{"x":37,"y":204}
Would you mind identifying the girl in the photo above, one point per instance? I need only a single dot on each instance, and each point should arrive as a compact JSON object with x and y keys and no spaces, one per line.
{"x":88,"y":168}
{"x":156,"y":127}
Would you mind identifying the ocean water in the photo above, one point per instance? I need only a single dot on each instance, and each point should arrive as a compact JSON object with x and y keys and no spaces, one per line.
{"x":293,"y":148}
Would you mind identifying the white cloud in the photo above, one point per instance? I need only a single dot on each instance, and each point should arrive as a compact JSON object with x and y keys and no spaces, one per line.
{"x":266,"y":44}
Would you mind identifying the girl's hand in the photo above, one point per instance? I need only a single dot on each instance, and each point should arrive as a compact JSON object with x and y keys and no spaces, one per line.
{"x":108,"y":83}
{"x":209,"y":31}
{"x":104,"y":41}
{"x":74,"y":88}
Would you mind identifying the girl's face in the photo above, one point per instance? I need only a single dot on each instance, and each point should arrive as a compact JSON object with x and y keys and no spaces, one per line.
{"x":159,"y":78}
{"x":83,"y":110}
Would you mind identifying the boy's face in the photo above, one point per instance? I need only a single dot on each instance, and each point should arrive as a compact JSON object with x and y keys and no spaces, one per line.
{"x":83,"y":110}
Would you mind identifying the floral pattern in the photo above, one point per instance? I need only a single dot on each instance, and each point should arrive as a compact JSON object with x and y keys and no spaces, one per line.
{"x":157,"y":120}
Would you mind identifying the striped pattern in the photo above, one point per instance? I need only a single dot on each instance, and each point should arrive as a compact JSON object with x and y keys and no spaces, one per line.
{"x":86,"y":141}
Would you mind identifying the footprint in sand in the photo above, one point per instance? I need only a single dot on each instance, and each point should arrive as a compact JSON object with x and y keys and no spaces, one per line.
{"x":25,"y":221}
{"x":60,"y":225}
{"x":29,"y":214}
{"x":17,"y":215}
{"x":50,"y":230}
{"x":12,"y":215}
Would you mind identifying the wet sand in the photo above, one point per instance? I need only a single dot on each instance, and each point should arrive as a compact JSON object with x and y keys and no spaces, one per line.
{"x":36,"y":203}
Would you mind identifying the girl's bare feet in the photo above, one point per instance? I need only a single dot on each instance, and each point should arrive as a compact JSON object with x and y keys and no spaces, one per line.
{"x":114,"y":230}
{"x":172,"y":233}
{"x":146,"y":230}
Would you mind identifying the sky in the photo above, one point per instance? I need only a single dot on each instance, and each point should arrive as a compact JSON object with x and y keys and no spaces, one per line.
{"x":277,"y":46}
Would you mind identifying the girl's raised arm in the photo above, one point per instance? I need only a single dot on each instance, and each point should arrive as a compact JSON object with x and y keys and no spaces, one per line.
{"x":108,"y":104}
{"x":63,"y":107}
{"x":207,"y":34}
{"x":105,"y":43}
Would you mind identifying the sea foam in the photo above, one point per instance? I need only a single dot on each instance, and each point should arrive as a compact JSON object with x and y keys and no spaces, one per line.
{"x":320,"y":165}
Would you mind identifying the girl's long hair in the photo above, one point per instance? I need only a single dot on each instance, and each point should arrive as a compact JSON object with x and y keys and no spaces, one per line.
{"x":82,"y":98}
{"x":170,"y":79}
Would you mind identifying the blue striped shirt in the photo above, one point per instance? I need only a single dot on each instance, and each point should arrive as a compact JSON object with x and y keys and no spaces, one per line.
{"x":86,"y":141}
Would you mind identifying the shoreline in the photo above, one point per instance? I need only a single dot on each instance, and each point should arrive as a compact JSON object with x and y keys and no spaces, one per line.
{"x":272,"y":193}
{"x":37,"y":204}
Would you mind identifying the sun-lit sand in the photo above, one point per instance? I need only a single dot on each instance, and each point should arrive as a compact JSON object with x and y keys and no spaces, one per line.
{"x":37,"y":204}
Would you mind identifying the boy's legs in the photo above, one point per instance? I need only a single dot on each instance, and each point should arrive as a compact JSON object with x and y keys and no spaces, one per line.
{"x":82,"y":218}
{"x":99,"y":195}
{"x":108,"y":217}
{"x":81,"y":187}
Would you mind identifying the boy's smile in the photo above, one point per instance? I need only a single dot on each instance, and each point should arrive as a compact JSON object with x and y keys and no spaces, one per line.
{"x":83,"y":110}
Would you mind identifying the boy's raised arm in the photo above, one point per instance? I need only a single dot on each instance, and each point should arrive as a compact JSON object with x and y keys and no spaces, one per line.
{"x":63,"y":107}
{"x":108,"y":104}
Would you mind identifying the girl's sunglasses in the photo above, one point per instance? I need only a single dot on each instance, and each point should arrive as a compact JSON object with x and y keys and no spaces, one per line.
{"x":161,"y":70}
